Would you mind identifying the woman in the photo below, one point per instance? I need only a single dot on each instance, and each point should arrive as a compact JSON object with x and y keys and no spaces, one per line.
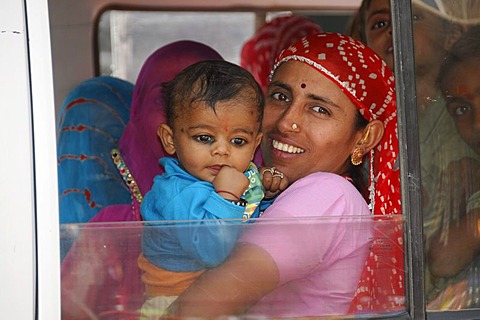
{"x":90,"y":123}
{"x":319,"y":119}
{"x":99,"y":274}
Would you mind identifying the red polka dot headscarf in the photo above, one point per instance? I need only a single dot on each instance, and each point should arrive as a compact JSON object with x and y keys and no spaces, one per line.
{"x":368,"y":82}
{"x":365,"y":78}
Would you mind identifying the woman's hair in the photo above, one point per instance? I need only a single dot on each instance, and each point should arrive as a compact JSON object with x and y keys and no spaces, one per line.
{"x":465,"y":48}
{"x":210,"y":82}
{"x":357,"y":173}
{"x":356,"y":28}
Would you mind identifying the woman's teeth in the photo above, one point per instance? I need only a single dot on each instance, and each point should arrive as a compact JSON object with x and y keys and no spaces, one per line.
{"x":286,"y":147}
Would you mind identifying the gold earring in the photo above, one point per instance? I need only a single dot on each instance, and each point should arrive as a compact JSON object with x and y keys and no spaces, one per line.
{"x":357,"y":156}
{"x":365,"y":137}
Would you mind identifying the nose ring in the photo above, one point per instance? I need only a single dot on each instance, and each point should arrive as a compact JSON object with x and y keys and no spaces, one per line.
{"x":294,"y":126}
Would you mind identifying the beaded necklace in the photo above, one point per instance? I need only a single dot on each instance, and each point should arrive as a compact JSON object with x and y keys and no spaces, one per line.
{"x":129,"y":181}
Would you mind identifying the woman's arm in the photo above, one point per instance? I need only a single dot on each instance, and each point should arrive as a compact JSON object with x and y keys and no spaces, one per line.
{"x":233,"y":287}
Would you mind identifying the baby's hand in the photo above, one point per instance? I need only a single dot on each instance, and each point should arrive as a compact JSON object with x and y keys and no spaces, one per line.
{"x":231,"y":180}
{"x":273,"y":181}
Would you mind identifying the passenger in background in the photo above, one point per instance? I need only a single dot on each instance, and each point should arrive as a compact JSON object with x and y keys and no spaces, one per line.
{"x":99,"y":274}
{"x":90,"y":123}
{"x":214,"y":113}
{"x":259,"y":52}
{"x":458,"y":258}
{"x":304,"y":256}
{"x":444,"y":157}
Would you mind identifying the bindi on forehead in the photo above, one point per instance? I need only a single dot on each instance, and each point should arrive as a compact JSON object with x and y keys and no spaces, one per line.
{"x":303,"y":85}
{"x":461,"y":90}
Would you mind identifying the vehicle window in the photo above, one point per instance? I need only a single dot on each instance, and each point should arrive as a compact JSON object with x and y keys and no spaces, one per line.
{"x":127,"y":38}
{"x":447,"y":55}
{"x":100,"y":276}
{"x":104,"y":257}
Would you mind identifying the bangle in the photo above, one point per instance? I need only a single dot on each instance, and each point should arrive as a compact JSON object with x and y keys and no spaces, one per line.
{"x":230,"y":193}
{"x":240,"y":203}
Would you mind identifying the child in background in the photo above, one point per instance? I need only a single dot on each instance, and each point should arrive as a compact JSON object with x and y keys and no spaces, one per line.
{"x":445,"y":159}
{"x":459,"y":81}
{"x":214,"y":113}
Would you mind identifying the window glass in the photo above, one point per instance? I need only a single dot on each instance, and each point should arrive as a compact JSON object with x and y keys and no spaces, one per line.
{"x":100,"y":262}
{"x":106,"y":274}
{"x":447,"y":59}
{"x":127,"y":38}
{"x":134,"y":35}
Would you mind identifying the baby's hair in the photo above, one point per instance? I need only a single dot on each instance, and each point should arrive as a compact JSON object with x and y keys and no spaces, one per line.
{"x":465,"y":48}
{"x":210,"y":82}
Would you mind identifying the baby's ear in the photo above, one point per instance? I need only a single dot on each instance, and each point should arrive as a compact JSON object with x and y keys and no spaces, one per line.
{"x":165,"y":133}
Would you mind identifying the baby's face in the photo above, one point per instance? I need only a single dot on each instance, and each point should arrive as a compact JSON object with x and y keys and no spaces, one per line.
{"x":462,"y":92}
{"x":206,"y":140}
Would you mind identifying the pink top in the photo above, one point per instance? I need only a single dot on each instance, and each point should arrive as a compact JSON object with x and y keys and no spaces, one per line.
{"x":320,"y":256}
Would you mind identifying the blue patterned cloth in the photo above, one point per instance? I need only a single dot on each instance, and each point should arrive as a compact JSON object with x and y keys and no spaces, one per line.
{"x":90,"y":123}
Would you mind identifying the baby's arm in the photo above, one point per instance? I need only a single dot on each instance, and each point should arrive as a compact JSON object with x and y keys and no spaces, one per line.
{"x":230,"y":183}
{"x":273,"y":181}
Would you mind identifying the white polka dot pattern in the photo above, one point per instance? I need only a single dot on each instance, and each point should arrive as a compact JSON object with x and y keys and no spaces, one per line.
{"x":365,"y":78}
{"x":259,"y":52}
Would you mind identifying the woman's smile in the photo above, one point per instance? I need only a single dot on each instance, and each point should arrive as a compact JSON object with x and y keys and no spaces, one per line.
{"x":305,"y":118}
{"x":285,"y":147}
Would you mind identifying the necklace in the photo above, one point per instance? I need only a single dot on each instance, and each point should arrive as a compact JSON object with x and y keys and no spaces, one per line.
{"x":129,"y":181}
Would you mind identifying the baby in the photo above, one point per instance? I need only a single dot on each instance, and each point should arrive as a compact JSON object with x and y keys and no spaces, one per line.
{"x":214,"y":113}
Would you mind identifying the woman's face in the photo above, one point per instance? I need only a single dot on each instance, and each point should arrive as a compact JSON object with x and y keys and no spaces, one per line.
{"x":324,"y":136}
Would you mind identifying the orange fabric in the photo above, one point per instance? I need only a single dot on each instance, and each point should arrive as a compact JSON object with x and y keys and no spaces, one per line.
{"x":161,"y":282}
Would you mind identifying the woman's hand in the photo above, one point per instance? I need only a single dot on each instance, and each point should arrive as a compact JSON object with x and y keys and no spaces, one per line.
{"x":232,"y":181}
{"x":273,"y":181}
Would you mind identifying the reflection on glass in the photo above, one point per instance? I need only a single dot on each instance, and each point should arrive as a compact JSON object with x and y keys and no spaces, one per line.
{"x":449,"y":164}
{"x":449,"y":167}
{"x":453,"y":250}
{"x":101,"y":277}
{"x":134,"y":35}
